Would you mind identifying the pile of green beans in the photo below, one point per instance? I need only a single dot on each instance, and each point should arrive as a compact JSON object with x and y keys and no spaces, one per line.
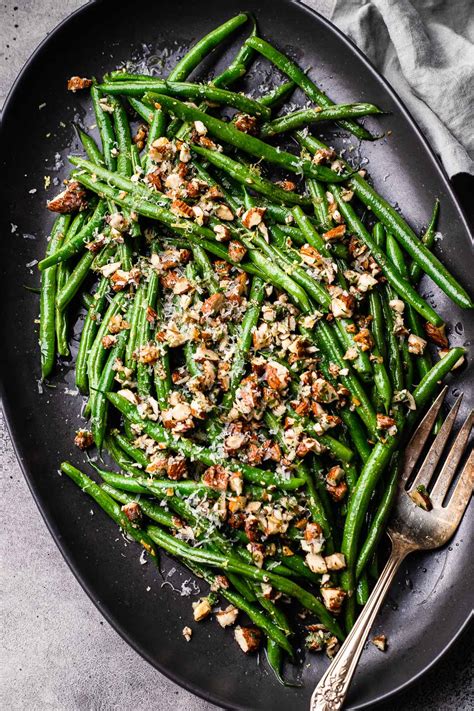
{"x":250,"y":347}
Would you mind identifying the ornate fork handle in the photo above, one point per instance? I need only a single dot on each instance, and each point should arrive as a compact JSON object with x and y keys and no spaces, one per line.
{"x":331,"y":691}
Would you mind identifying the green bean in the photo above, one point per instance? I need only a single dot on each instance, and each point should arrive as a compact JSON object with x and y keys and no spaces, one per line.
{"x":133,"y":452}
{"x":123,"y":75}
{"x":338,"y":449}
{"x":146,"y":113}
{"x":393,"y":276}
{"x":47,"y":337}
{"x":300,"y":237}
{"x":122,"y":133}
{"x":144,"y":377}
{"x":254,"y":146}
{"x":109,"y":506}
{"x":279,"y":278}
{"x":306,"y":599}
{"x":106,"y":131}
{"x":328,"y":344}
{"x":250,"y":177}
{"x":275,"y":659}
{"x":99,"y":405}
{"x":238,"y":67}
{"x":394,"y":355}
{"x":297,"y":75}
{"x":153,"y":511}
{"x":428,"y":239}
{"x":275,"y":97}
{"x":396,"y":255}
{"x":310,"y":233}
{"x":70,"y":287}
{"x":202,"y":523}
{"x":254,"y":614}
{"x":135,"y":314}
{"x":249,"y":323}
{"x":397,"y":226}
{"x":304,"y":117}
{"x":188,"y":90}
{"x":378,"y":325}
{"x":204,"y":46}
{"x":118,"y":455}
{"x":203,"y":264}
{"x":320,"y":203}
{"x":379,"y":459}
{"x":62,"y":277}
{"x":76,"y":244}
{"x":202,"y":454}
{"x":427,"y":387}
{"x":315,"y":506}
{"x":291,"y":265}
{"x":88,"y":333}
{"x":377,"y":525}
{"x":91,"y":148}
{"x":208,"y":178}
{"x":363,"y":591}
{"x":97,"y":353}
{"x":145,"y":208}
{"x":61,"y":323}
{"x":157,"y":487}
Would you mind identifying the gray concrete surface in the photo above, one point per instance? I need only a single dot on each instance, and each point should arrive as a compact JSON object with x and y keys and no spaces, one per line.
{"x":57,"y":653}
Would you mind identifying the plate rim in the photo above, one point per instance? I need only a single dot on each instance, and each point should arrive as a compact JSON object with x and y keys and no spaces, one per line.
{"x":7,"y":406}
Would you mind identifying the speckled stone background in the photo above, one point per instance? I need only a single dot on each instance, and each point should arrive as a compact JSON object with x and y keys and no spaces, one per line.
{"x":57,"y":653}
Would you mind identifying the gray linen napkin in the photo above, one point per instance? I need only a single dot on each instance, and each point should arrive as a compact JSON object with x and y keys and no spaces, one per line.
{"x":425,"y":49}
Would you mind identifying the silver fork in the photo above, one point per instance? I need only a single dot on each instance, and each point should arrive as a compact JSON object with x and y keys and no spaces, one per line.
{"x":411,"y":528}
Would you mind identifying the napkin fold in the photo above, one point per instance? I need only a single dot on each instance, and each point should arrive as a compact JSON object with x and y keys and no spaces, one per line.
{"x":425,"y":49}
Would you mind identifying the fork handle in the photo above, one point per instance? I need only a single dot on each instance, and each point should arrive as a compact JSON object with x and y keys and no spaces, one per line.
{"x":331,"y":691}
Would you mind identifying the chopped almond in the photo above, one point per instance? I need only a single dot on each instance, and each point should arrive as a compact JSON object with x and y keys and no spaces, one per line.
{"x":287,"y":185}
{"x":179,"y":207}
{"x":201,"y":609}
{"x":333,"y":598}
{"x":380,"y":641}
{"x":336,"y":561}
{"x":78,"y":83}
{"x":176,"y":468}
{"x":248,"y":638}
{"x":335,"y":233}
{"x":224,"y":213}
{"x":187,"y":633}
{"x":83,"y":439}
{"x":421,"y":498}
{"x":384,"y":422}
{"x":222,"y":233}
{"x":253,"y":217}
{"x":213,"y":304}
{"x":227,"y":617}
{"x":246,"y":124}
{"x":132,"y":511}
{"x":72,"y":199}
{"x":236,"y":251}
{"x":416,"y":344}
{"x":437,"y":334}
{"x":216,"y":477}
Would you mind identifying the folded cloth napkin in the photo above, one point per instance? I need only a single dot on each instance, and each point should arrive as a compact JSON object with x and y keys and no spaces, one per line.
{"x":425,"y":49}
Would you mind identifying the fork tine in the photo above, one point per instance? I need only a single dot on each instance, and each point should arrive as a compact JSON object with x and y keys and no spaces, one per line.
{"x":448,"y":471}
{"x":420,"y":435}
{"x":462,"y":492}
{"x":431,"y":460}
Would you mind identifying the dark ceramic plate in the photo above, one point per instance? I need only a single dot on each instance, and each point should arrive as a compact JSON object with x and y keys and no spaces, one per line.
{"x":431,"y":600}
